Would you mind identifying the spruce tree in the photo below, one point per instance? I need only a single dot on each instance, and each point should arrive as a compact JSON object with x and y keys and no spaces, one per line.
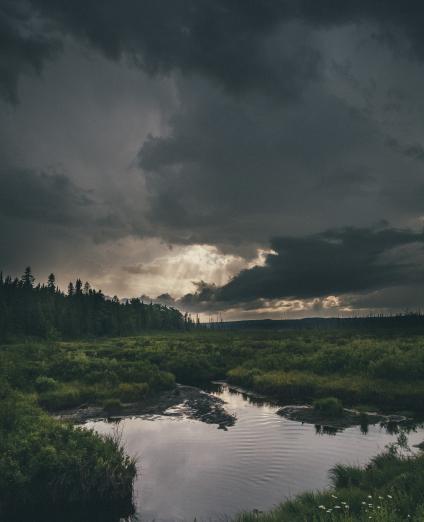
{"x":51,"y":283}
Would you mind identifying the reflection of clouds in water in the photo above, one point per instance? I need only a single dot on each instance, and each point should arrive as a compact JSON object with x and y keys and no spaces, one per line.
{"x":191,"y":469}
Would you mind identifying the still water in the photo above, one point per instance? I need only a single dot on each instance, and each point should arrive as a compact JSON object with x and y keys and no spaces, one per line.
{"x":189,"y":469}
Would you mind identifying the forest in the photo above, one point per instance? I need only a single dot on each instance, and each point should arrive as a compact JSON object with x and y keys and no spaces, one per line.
{"x":39,"y":310}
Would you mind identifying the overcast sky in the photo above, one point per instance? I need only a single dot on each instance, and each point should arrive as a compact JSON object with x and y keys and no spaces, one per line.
{"x":258,"y":158}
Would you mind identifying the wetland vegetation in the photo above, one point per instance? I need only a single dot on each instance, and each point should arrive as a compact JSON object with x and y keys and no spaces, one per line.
{"x":358,"y":368}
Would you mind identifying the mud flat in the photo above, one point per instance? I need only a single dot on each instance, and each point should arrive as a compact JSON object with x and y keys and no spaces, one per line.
{"x":348,"y":419}
{"x":187,"y":401}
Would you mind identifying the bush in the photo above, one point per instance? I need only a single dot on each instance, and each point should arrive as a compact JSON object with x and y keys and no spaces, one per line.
{"x":165,"y":381}
{"x":132,"y":392}
{"x":63,"y":397}
{"x":48,"y":464}
{"x":243,"y":376}
{"x":43,"y":383}
{"x":330,"y":406}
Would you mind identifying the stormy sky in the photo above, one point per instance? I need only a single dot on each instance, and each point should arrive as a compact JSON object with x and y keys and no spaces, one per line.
{"x":254,"y":158}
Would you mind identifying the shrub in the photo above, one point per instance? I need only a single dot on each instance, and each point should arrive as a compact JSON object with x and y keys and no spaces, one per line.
{"x":132,"y":392}
{"x":165,"y":381}
{"x":63,"y":397}
{"x":329,"y":406}
{"x":43,"y":383}
{"x":48,"y":464}
{"x":243,"y":376}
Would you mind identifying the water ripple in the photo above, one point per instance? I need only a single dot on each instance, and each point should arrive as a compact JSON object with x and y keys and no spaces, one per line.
{"x":190,"y":469}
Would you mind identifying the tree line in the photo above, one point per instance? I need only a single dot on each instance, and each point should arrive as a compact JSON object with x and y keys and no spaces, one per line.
{"x":42,"y":310}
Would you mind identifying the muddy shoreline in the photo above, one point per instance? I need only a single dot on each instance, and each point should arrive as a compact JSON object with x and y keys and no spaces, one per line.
{"x":348,"y":419}
{"x":187,"y":401}
{"x":305,"y":413}
{"x":193,"y":403}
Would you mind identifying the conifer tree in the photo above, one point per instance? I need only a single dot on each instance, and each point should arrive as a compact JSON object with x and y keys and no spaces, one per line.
{"x":51,"y":283}
{"x":27,"y":278}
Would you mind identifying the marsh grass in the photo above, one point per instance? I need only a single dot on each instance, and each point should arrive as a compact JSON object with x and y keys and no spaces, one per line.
{"x":50,"y":465}
{"x":329,"y":406}
{"x":381,"y":369}
{"x":38,"y":454}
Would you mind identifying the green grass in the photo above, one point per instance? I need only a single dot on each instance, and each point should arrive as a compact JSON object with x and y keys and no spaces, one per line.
{"x":39,"y":454}
{"x":330,"y":406}
{"x":51,"y":466}
{"x":66,"y":375}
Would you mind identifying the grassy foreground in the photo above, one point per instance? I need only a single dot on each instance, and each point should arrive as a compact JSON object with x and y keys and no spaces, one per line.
{"x":55,"y":468}
{"x":44,"y":462}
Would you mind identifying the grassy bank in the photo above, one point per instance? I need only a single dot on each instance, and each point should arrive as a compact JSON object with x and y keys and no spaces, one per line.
{"x":48,"y":467}
{"x":39,"y":454}
{"x":389,"y":489}
{"x":383,"y":369}
{"x":66,"y":375}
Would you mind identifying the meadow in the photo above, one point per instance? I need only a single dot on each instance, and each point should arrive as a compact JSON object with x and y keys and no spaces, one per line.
{"x":367,"y":369}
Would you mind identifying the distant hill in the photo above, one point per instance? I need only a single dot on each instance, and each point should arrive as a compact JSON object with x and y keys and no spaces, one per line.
{"x":409,"y":320}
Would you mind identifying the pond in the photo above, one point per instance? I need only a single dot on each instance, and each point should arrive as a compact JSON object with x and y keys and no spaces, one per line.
{"x":189,"y":469}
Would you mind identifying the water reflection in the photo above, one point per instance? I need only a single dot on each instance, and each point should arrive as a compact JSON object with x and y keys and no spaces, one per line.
{"x":326,"y":430}
{"x":190,"y":469}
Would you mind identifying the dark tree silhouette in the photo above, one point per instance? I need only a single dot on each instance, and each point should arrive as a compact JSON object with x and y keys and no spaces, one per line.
{"x":27,"y":278}
{"x":45,"y":311}
{"x":78,"y":286}
{"x":51,"y":283}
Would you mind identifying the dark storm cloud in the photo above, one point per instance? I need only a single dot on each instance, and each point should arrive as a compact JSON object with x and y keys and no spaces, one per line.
{"x":335,"y":262}
{"x":228,"y":170}
{"x":338,"y":183}
{"x":24,"y":45}
{"x":415,"y":151}
{"x":390,"y":16}
{"x":402,"y":297}
{"x":224,"y":40}
{"x":165,"y":299}
{"x":205,"y":293}
{"x":229,"y":41}
{"x":42,"y":197}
